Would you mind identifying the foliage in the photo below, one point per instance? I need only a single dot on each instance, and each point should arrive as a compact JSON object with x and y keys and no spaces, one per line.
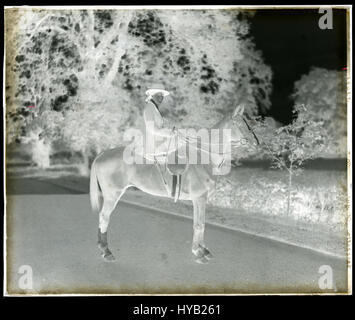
{"x":91,"y":68}
{"x":290,"y":146}
{"x":203,"y":57}
{"x":318,"y":196}
{"x":324,"y":92}
{"x":93,"y":135}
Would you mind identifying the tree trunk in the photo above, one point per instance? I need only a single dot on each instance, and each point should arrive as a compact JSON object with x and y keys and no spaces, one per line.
{"x":289,"y":190}
{"x":41,"y":153}
{"x":120,"y":50}
{"x":84,"y":166}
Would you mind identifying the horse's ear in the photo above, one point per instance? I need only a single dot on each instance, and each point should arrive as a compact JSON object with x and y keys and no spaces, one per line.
{"x":238,"y":111}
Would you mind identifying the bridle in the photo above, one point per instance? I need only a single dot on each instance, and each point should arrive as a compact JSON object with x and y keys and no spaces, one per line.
{"x":251,"y":130}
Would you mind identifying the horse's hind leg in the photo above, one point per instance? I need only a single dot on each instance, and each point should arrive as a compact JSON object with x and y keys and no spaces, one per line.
{"x":110,"y":202}
{"x":104,"y":219}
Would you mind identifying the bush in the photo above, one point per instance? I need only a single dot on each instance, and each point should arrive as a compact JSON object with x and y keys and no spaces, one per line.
{"x":316,"y":199}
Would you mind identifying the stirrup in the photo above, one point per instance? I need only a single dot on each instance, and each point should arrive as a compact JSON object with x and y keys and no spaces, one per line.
{"x":161,"y":174}
{"x":176,"y":187}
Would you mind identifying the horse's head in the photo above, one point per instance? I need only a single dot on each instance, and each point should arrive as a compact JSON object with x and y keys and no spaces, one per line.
{"x":242,"y":133}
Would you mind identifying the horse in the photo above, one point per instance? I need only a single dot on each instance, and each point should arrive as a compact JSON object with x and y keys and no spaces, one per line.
{"x":111,"y":176}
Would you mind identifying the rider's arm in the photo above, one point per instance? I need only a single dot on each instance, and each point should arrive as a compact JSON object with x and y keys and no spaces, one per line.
{"x":163,"y":132}
{"x":154,"y":123}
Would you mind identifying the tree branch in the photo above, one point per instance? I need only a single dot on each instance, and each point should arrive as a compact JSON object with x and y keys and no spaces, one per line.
{"x":121,"y":49}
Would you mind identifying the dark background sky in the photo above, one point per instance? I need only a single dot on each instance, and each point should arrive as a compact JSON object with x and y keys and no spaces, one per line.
{"x":292,"y":42}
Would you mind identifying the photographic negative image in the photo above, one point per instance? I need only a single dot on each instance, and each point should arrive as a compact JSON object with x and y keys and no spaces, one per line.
{"x":177,"y":150}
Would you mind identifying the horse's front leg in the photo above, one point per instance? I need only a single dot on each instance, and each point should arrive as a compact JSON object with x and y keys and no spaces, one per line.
{"x":198,"y":245}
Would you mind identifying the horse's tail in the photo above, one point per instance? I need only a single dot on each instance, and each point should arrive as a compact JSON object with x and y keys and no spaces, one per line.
{"x":95,"y":192}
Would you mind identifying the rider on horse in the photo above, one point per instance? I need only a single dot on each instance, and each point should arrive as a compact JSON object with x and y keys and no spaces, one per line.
{"x":162,"y":140}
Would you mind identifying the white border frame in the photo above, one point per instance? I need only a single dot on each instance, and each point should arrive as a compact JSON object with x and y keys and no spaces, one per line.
{"x":197,"y":7}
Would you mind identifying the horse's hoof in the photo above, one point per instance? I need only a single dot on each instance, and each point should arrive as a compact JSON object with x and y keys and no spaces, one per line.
{"x":106,"y":254}
{"x":202,"y":260}
{"x":109,"y":257}
{"x":198,"y":253}
{"x":207,"y":253}
{"x":209,"y":256}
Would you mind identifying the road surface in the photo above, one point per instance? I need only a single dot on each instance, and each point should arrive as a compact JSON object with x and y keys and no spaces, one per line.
{"x":55,"y":234}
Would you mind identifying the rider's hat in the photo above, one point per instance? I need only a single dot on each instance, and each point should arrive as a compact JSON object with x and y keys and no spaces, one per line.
{"x":157,"y":88}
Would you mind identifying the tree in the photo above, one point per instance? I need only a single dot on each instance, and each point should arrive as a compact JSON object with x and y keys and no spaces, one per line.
{"x":203,"y":57}
{"x":290,"y":146}
{"x":44,"y":84}
{"x":324,"y":92}
{"x":59,"y":66}
{"x":103,"y":130}
{"x":61,"y":53}
{"x":98,"y":63}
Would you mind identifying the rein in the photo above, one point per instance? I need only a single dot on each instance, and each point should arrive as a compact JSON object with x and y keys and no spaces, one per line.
{"x":251,"y":130}
{"x":193,"y":140}
{"x":189,"y":138}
